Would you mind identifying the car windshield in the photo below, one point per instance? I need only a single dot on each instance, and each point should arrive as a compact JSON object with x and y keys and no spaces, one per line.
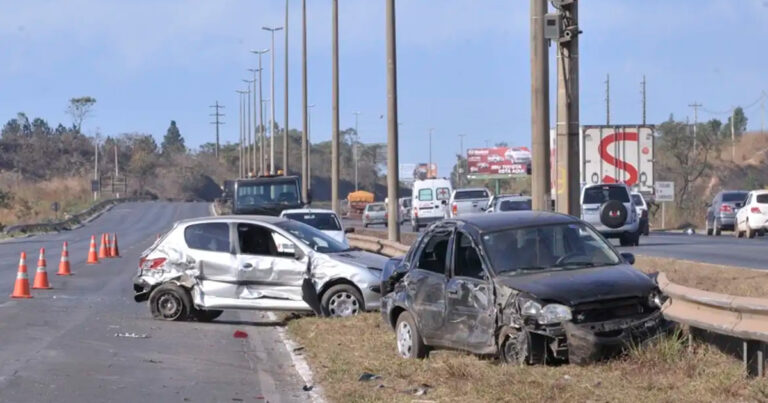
{"x":375,"y":208}
{"x":546,"y":248}
{"x":470,"y":194}
{"x":734,"y":197}
{"x":321,"y":221}
{"x":601,"y":194}
{"x":514,"y":205}
{"x":637,"y":199}
{"x":272,"y":192}
{"x":315,"y":239}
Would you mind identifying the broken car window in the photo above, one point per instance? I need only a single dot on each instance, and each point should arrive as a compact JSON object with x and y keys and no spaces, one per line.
{"x":315,"y":239}
{"x":433,"y":254}
{"x":211,"y":237}
{"x":561,"y":246}
{"x":467,"y":261}
{"x":256,"y":240}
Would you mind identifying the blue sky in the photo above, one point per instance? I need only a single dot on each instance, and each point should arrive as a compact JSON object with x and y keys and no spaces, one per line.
{"x":463,"y":65}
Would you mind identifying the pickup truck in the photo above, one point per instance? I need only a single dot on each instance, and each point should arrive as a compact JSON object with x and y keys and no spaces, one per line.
{"x":468,"y":201}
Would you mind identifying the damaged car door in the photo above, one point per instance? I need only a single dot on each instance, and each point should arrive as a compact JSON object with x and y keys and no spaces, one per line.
{"x":209,"y":247}
{"x":425,"y":284}
{"x":470,"y":313}
{"x":269,"y":265}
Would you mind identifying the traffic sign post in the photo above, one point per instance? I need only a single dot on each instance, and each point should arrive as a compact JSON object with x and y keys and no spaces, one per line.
{"x":665,"y":192}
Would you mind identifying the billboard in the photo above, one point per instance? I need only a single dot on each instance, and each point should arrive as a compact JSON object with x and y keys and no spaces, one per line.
{"x":618,"y":154}
{"x":423,"y":171}
{"x":497,"y":161}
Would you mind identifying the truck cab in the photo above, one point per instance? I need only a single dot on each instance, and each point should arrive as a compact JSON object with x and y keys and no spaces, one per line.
{"x":266,"y":195}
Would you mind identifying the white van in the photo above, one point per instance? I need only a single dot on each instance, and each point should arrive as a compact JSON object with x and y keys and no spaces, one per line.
{"x":430,"y":201}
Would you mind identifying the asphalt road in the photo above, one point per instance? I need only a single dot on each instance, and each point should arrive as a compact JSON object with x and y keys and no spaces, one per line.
{"x":725,"y":249}
{"x":61,"y":345}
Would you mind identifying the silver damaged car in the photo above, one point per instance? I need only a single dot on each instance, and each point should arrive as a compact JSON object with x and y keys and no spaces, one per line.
{"x":203,"y":266}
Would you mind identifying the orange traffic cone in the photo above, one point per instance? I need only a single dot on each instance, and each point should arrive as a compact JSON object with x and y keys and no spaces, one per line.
{"x":103,"y":248}
{"x":92,"y":258}
{"x":115,"y":249}
{"x":64,"y":263}
{"x":21,"y":288}
{"x":41,"y":276}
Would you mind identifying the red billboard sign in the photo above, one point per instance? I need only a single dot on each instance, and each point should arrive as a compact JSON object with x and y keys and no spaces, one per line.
{"x":498,"y":160}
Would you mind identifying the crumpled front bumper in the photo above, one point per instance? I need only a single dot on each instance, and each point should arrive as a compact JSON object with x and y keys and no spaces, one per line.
{"x":591,"y":342}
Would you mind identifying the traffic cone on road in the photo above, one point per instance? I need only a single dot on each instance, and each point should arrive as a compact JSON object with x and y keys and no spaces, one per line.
{"x":21,"y":288}
{"x":115,"y":249}
{"x":41,"y":275}
{"x":64,"y":262}
{"x":103,"y":248}
{"x":92,"y":258}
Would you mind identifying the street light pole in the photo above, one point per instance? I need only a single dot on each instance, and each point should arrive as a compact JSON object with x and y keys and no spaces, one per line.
{"x":248,"y":170}
{"x":305,"y":178}
{"x":540,"y":179}
{"x":285,"y":105}
{"x":256,"y":168}
{"x":309,"y":145}
{"x":354,"y":148}
{"x":393,"y":168}
{"x":262,"y":126}
{"x":429,"y":166}
{"x":272,"y":90}
{"x":335,"y":107}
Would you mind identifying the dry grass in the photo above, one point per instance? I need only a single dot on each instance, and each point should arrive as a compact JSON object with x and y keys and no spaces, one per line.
{"x":32,"y":200}
{"x":723,"y":279}
{"x":340,"y":350}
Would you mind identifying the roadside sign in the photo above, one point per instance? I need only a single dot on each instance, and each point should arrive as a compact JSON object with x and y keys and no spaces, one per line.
{"x":665,"y":191}
{"x":95,"y":185}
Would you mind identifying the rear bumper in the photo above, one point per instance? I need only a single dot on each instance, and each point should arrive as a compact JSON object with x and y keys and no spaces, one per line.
{"x":615,"y":232}
{"x":426,"y":220}
{"x":758,"y":222}
{"x":141,"y":288}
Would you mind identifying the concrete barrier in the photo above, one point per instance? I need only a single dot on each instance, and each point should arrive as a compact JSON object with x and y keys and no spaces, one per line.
{"x":377,"y":245}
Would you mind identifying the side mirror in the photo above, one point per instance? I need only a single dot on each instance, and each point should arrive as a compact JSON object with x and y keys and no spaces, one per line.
{"x":628,"y":257}
{"x":298,"y":254}
{"x":349,"y":230}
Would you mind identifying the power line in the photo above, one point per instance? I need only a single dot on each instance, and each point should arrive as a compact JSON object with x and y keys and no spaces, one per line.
{"x":218,"y":123}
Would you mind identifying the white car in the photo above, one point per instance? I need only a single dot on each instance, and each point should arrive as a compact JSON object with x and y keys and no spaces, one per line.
{"x":642,"y":211}
{"x":324,"y":220}
{"x":752,"y":219}
{"x":609,"y":208}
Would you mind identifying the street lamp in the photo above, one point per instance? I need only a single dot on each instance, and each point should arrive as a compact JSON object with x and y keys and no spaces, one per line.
{"x":354,"y":147}
{"x":263,"y":107}
{"x":309,"y":144}
{"x":272,"y":30}
{"x":262,"y":128}
{"x":255,"y":124}
{"x":248,"y":130}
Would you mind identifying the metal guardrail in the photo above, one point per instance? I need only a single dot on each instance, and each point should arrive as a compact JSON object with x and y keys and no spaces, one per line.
{"x":743,"y":320}
{"x":75,"y":219}
{"x":377,"y":245}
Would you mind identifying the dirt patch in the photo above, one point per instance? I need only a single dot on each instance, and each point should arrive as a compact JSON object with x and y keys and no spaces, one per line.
{"x":710,"y":277}
{"x":342,"y":350}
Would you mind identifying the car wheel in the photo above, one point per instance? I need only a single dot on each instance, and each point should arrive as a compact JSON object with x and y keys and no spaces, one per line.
{"x":636,"y":239}
{"x":409,"y":342}
{"x":718,"y":229}
{"x":170,"y":302}
{"x":206,"y":315}
{"x":761,"y":232}
{"x":709,"y":229}
{"x":341,"y":300}
{"x":624,"y":240}
{"x":750,"y":233}
{"x":736,"y":231}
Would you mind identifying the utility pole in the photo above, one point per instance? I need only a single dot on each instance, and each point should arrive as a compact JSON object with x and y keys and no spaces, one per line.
{"x":695,"y":107}
{"x":256,"y":168}
{"x":607,"y":99}
{"x":305,"y":178}
{"x":354,"y":147}
{"x":96,"y":167}
{"x":461,"y":157}
{"x":393,"y":167}
{"x":247,"y":137}
{"x":733,"y":135}
{"x":309,"y":146}
{"x":429,"y":166}
{"x":335,"y":107}
{"x":218,"y":123}
{"x":272,"y":123}
{"x":567,"y":186}
{"x":262,"y":126}
{"x":540,"y":181}
{"x":243,"y":168}
{"x":286,"y":125}
{"x":642,"y":85}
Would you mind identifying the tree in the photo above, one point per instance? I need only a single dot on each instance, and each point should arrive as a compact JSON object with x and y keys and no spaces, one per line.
{"x":143,"y":159}
{"x":173,"y":143}
{"x":79,"y":109}
{"x":739,"y":124}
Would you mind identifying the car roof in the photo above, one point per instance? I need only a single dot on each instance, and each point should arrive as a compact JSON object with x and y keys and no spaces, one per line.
{"x":375,"y":203}
{"x":513,"y":197}
{"x":308,"y":210}
{"x":469,"y":189}
{"x":482,"y":223}
{"x":624,"y":185}
{"x":227,"y":218}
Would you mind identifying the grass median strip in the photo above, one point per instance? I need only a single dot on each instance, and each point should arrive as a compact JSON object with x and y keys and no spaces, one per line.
{"x":342,"y":351}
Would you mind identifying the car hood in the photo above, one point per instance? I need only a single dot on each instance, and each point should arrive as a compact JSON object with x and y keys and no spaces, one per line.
{"x":360,"y":258}
{"x":268,"y":209}
{"x":571,"y":287}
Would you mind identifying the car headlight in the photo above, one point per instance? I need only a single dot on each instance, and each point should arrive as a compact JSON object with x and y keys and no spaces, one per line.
{"x":547,"y":314}
{"x":655,"y":299}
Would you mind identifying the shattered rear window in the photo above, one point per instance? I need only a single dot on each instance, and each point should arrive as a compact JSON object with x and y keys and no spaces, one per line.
{"x":209,"y":236}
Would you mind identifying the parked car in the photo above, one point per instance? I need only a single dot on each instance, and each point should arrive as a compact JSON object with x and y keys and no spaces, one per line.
{"x":721,"y":213}
{"x":502,"y":203}
{"x":430,"y":201}
{"x":405,"y":209}
{"x":609,"y":208}
{"x":468,"y":201}
{"x":528,"y":287}
{"x":752,"y":219}
{"x":326,"y":221}
{"x":205,"y":265}
{"x":375,"y":213}
{"x":641,"y":207}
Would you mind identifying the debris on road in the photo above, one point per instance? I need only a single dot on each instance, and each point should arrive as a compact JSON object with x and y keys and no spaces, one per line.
{"x":420,"y":390}
{"x":367,"y":376}
{"x":239,"y":334}
{"x":307,"y":388}
{"x":151,"y":361}
{"x":132,"y":335}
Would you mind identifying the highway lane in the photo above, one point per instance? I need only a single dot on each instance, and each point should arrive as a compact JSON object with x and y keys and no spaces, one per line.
{"x":62,"y":346}
{"x":725,"y":249}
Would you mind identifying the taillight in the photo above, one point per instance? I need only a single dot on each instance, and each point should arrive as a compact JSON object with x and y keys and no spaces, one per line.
{"x":724,"y":208}
{"x":755,"y":210}
{"x":455,"y":209}
{"x":415,"y":211}
{"x":151,"y":264}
